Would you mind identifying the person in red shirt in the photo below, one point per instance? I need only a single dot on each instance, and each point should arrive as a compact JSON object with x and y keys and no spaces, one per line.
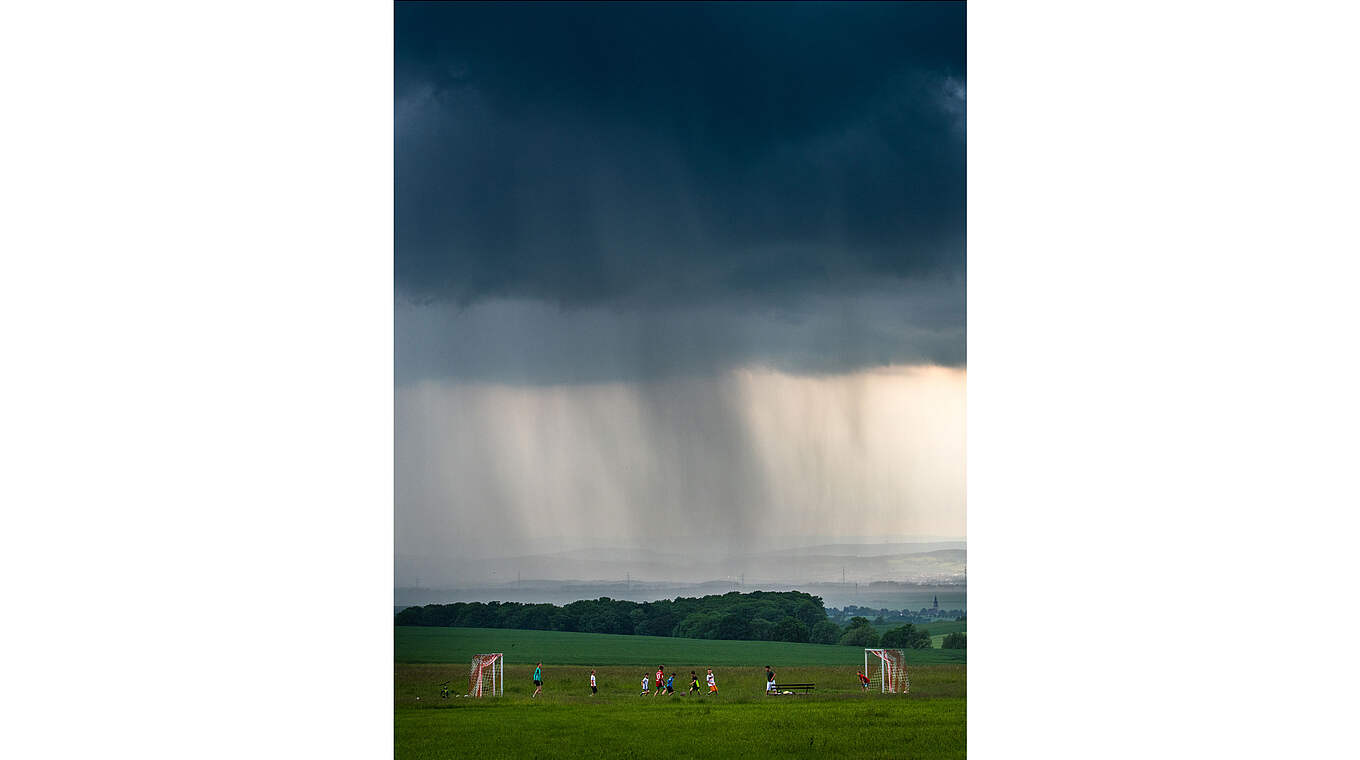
{"x":863,"y":679}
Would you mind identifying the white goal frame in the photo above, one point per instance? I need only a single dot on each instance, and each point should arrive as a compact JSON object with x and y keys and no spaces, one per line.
{"x":487,"y":677}
{"x":887,"y":668}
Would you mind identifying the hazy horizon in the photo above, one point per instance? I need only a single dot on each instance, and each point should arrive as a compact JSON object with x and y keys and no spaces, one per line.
{"x":777,"y":563}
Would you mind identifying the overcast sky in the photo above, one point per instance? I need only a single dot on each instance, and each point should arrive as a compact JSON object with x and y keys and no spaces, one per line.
{"x":678,"y":269}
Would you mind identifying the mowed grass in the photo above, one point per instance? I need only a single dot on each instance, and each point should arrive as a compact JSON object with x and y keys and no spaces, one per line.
{"x":872,"y":727}
{"x":421,"y":644}
{"x":838,"y":720}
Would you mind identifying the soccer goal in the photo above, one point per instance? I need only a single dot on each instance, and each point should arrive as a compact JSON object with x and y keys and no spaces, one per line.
{"x":888,"y":669}
{"x":488,"y":675}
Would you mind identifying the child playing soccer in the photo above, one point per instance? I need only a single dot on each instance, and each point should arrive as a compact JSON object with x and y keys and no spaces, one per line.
{"x":693,"y":682}
{"x":712,"y":682}
{"x":538,"y":679}
{"x":863,"y":679}
{"x":593,"y":690}
{"x":660,"y":680}
{"x":644,"y":685}
{"x":670,"y":684}
{"x":769,"y":681}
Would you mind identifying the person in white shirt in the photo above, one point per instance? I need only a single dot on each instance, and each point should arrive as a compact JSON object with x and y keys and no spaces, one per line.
{"x":593,"y":690}
{"x":644,"y":685}
{"x":712,"y":682}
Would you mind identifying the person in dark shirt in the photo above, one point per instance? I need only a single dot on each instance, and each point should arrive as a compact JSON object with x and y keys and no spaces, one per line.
{"x":693,"y":682}
{"x":769,"y":681}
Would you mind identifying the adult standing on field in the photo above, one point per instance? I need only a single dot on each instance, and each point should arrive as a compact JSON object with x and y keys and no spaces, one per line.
{"x":538,"y":678}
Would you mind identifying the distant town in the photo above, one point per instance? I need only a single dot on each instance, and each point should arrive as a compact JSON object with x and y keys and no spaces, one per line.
{"x":930,"y":614}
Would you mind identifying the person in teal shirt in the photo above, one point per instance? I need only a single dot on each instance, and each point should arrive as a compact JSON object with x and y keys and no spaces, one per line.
{"x":538,"y":679}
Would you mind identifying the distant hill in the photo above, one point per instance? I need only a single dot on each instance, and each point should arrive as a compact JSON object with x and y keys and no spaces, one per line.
{"x":678,"y":564}
{"x":869,"y":550}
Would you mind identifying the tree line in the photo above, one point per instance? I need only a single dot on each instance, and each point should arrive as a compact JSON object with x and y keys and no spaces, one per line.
{"x":861,"y":633}
{"x":757,"y":616}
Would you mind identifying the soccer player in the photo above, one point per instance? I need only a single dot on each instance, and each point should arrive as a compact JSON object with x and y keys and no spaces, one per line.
{"x":593,"y":690}
{"x":644,"y":685}
{"x":769,"y":681}
{"x":712,"y":682}
{"x":863,"y":679}
{"x":660,"y":680}
{"x":670,"y":684}
{"x":538,"y":679}
{"x":693,"y":682}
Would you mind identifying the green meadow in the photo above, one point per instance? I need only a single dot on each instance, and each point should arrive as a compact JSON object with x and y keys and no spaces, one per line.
{"x":457,"y":645}
{"x":868,"y":727}
{"x":839,"y":719}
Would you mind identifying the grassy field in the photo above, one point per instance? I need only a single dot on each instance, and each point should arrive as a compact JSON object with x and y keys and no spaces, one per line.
{"x":566,"y":722}
{"x":839,"y":720}
{"x":457,"y":645}
{"x":872,"y":727}
{"x":566,"y":684}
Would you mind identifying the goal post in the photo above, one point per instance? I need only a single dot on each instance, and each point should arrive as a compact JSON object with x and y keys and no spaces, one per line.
{"x":888,"y":669}
{"x":487,"y":678}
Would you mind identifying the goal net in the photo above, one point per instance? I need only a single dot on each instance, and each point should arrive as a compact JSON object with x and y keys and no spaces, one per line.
{"x":887,"y":668}
{"x":488,"y":675}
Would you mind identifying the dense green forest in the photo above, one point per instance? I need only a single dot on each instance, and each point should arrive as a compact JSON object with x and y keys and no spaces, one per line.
{"x":757,"y":616}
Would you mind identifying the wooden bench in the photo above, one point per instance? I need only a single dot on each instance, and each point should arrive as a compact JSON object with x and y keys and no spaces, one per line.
{"x":803,"y":687}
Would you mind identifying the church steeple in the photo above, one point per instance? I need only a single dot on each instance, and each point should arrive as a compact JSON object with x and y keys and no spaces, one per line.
{"x":936,"y":605}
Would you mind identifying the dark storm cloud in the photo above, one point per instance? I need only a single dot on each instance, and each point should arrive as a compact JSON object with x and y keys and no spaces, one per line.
{"x":631,"y":153}
{"x":644,"y":253}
